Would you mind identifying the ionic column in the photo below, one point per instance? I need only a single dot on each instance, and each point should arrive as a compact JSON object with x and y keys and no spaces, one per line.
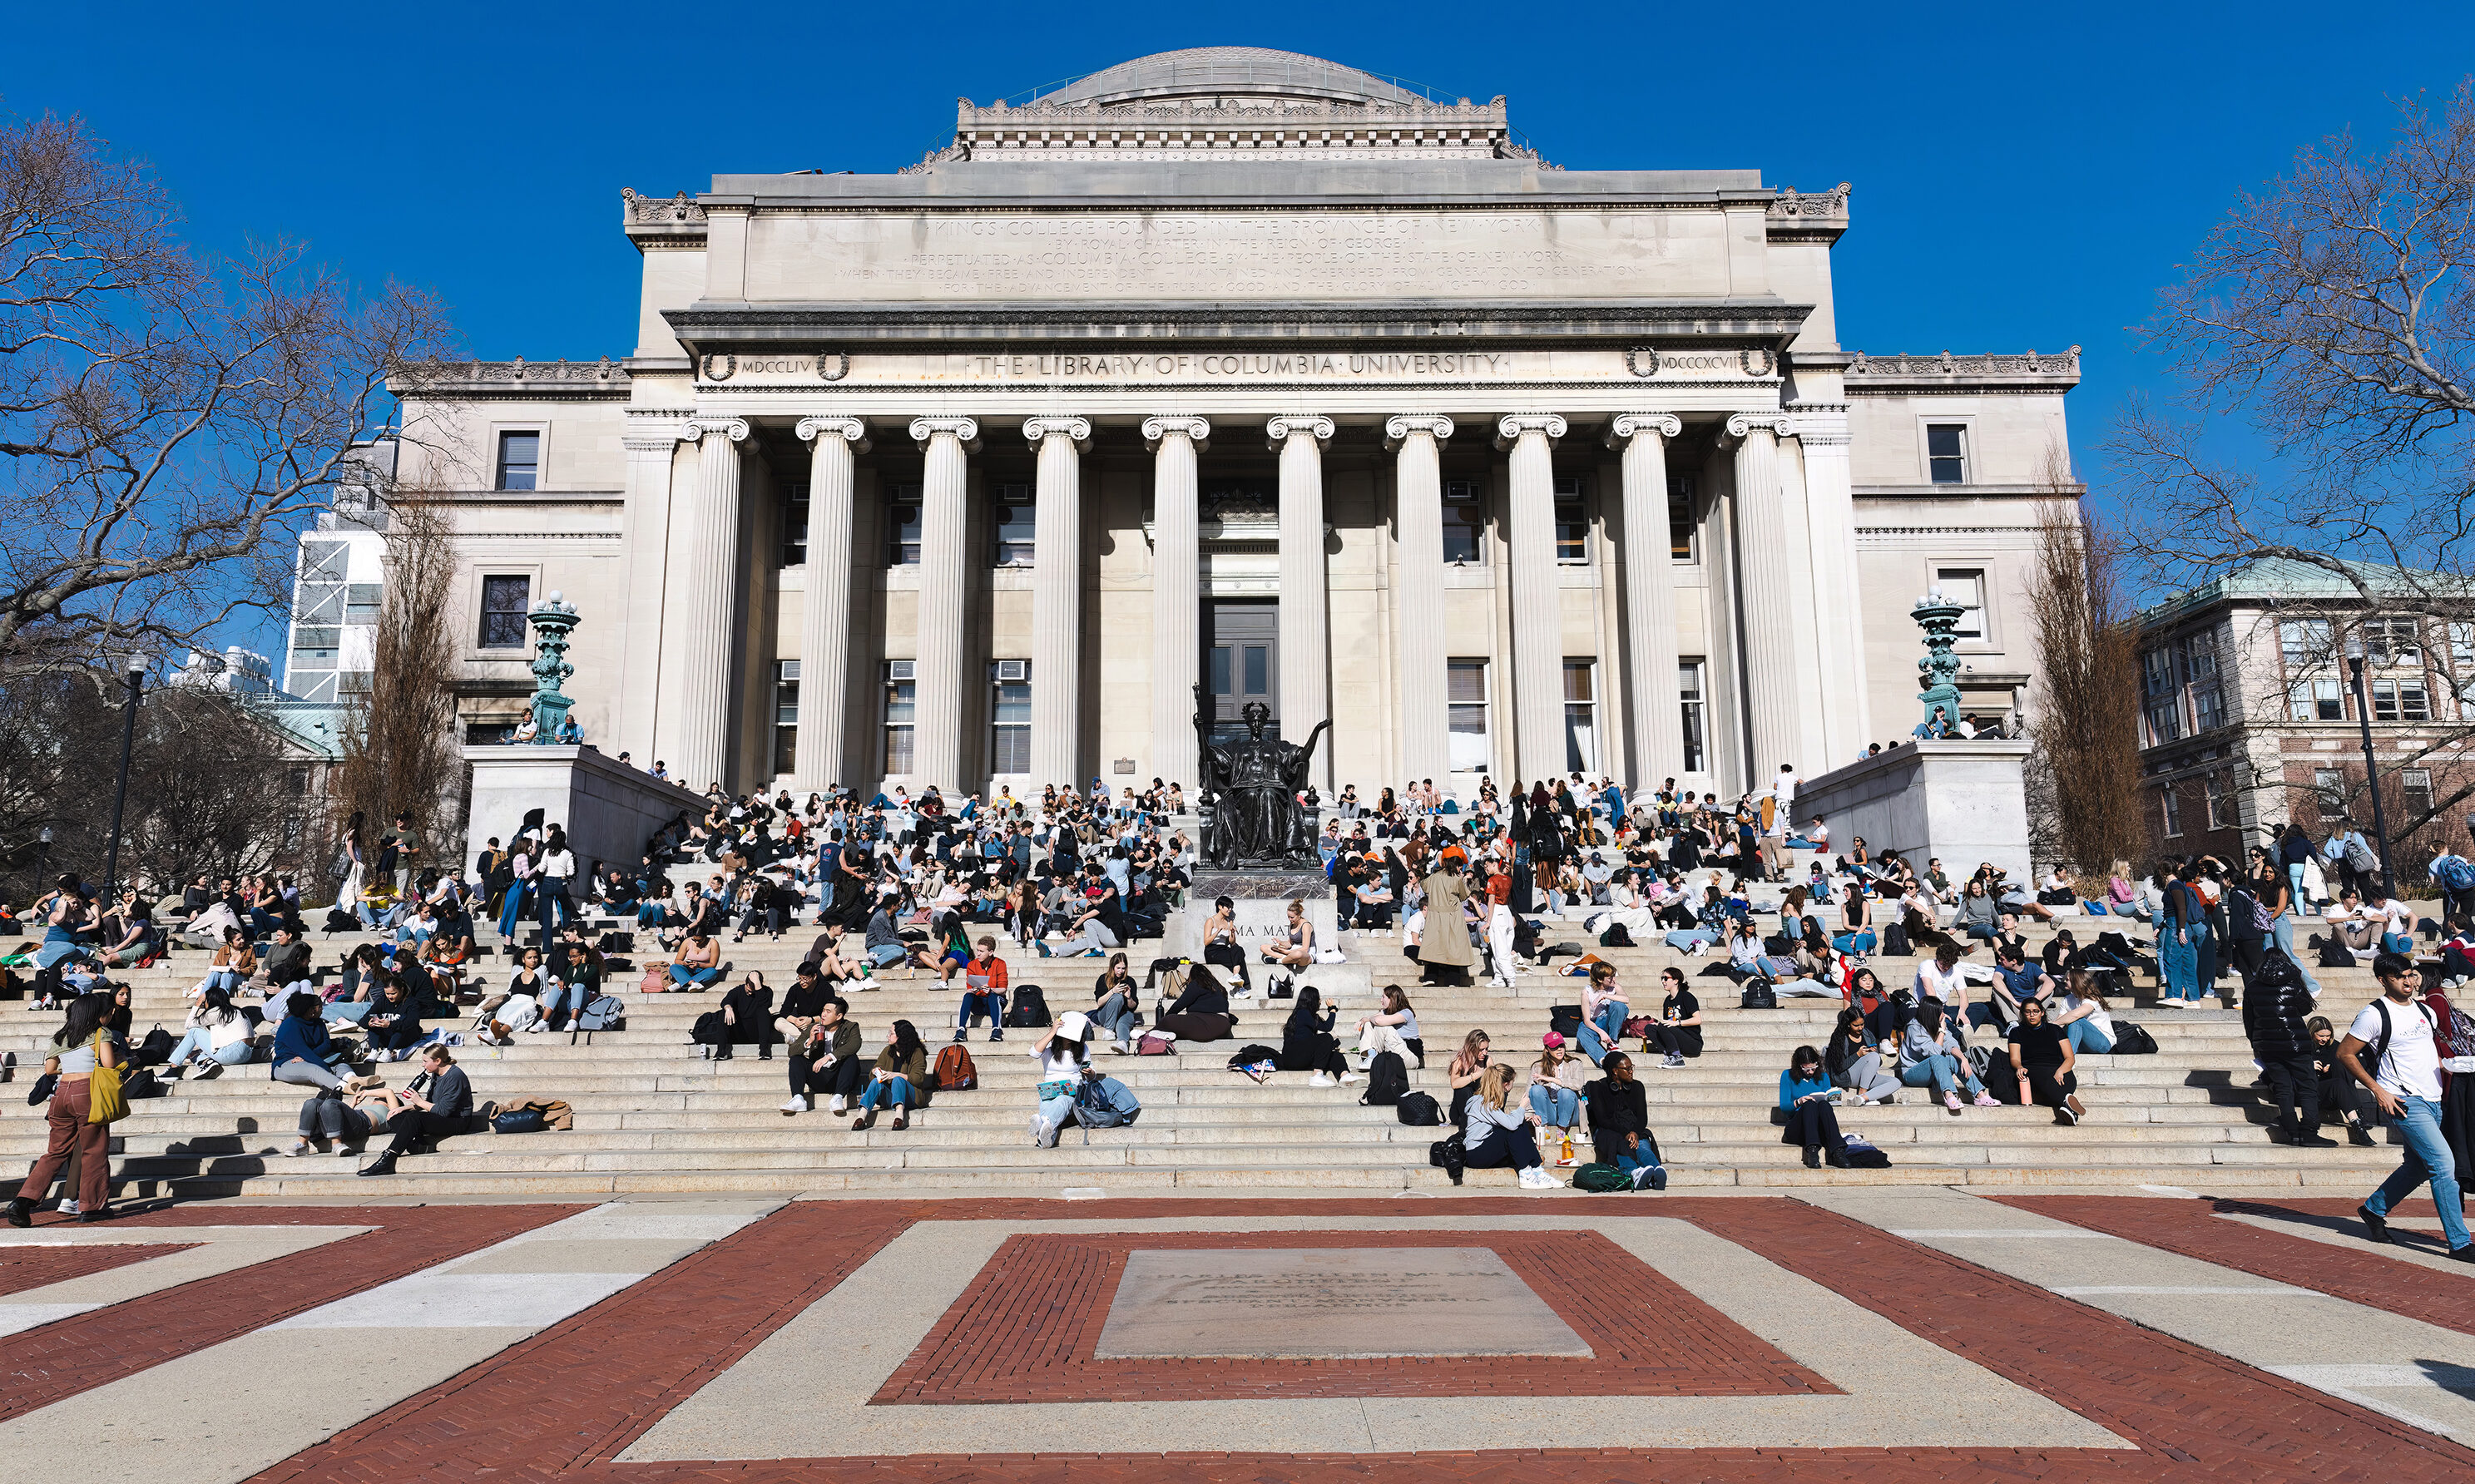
{"x":937,"y":737}
{"x":1649,"y":597}
{"x":1057,"y":599}
{"x":1831,"y":514}
{"x":707,"y":603}
{"x":1770,"y":634}
{"x":824,"y":622}
{"x":1418,"y":516}
{"x":1306,"y":650}
{"x":1537,"y":607}
{"x":1177,"y":591}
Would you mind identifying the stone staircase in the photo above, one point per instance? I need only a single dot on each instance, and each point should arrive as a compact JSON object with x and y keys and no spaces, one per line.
{"x":651,"y":1115}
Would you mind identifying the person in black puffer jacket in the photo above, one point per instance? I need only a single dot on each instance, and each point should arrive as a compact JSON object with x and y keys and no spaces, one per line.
{"x":2275,"y":1007}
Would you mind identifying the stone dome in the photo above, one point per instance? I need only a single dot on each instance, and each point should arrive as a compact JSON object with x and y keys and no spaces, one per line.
{"x":1248,"y":70}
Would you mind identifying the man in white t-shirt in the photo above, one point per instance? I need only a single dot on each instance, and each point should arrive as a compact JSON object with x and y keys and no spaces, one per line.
{"x":2405,"y":1079}
{"x":1946,"y":980}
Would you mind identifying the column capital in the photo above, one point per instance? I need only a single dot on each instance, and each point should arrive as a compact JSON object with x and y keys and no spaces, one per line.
{"x":1509,"y":428}
{"x":1741,"y":423}
{"x":697,"y":429}
{"x":1038,"y":431}
{"x":1628,"y":425}
{"x":964,"y":430}
{"x":850,"y":430}
{"x":1397,"y":427}
{"x":1281,"y":429}
{"x":1191,"y":427}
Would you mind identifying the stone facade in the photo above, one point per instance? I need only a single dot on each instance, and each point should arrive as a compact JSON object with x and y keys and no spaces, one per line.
{"x":1244,"y":368}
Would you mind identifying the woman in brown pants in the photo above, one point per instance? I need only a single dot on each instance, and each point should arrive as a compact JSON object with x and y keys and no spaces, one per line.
{"x":81,"y":1045}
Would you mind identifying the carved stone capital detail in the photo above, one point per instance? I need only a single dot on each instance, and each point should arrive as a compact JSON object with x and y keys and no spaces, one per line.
{"x":1037,"y":430}
{"x":964,"y":430}
{"x":1397,"y":427}
{"x":698,"y":430}
{"x":1281,"y":429}
{"x":1156,"y":429}
{"x":1630,"y":425}
{"x":1509,"y":428}
{"x":1742,"y":422}
{"x":850,"y":430}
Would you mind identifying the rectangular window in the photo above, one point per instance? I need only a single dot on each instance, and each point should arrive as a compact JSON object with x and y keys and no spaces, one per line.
{"x":1680,"y":524}
{"x":2303,"y":643}
{"x":2401,"y":701}
{"x":1688,"y":694}
{"x":352,"y":682}
{"x":1464,"y":522}
{"x":504,"y":601}
{"x":2415,"y":783}
{"x":2174,"y":807}
{"x":361,"y":603}
{"x":2461,"y":668}
{"x":1946,"y":453}
{"x":2391,"y":642}
{"x":1966,"y":587}
{"x":2221,"y":787}
{"x":1465,"y":702}
{"x":901,"y":701}
{"x":1017,"y":528}
{"x":1572,"y":520}
{"x":320,"y":603}
{"x":518,"y":461}
{"x":325,"y":561}
{"x":1581,"y":716}
{"x":786,"y":716}
{"x":902,"y":527}
{"x":2318,"y":700}
{"x":795,"y":525}
{"x":2329,"y":785}
{"x":1010,"y":713}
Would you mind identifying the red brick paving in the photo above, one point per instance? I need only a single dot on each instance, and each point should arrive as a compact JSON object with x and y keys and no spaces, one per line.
{"x":562,"y":1404}
{"x":1028,"y":1327}
{"x":2199,"y":1228}
{"x":75,"y":1354}
{"x":22,"y":1268}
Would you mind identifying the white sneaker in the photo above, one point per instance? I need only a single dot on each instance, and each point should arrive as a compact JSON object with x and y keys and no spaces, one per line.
{"x":1534,"y":1179}
{"x":1044,"y":1133}
{"x":68,"y":1209}
{"x":837,"y":1104}
{"x":1346,"y":1078}
{"x":297,"y":1149}
{"x":796,"y":1103}
{"x":1322,"y":1080}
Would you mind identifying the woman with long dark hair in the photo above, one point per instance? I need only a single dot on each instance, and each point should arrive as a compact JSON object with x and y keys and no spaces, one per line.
{"x":82,"y":1044}
{"x":1805,"y":1095}
{"x":897,"y":1080}
{"x":1308,"y":1044}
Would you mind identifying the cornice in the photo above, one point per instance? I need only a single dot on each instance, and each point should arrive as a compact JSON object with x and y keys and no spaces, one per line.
{"x":2028,"y":372}
{"x":807,"y":324}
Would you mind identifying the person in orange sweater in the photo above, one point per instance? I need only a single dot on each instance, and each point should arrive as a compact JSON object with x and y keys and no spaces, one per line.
{"x":984,"y":992}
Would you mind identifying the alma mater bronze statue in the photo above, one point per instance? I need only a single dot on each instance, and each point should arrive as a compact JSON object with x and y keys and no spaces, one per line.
{"x":1251,"y":814}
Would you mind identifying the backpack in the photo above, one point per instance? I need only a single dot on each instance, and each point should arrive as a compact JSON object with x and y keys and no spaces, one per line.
{"x":1602,"y":1178}
{"x":1617,"y":936}
{"x":602,"y":1013}
{"x":1156,"y":1043}
{"x":1418,"y":1110}
{"x":1757,"y":995}
{"x":1029,"y":1010}
{"x":954,"y":1071}
{"x":2246,"y":908}
{"x":2335,"y":955}
{"x":2131,"y":1040}
{"x":2456,"y":873}
{"x":1386,"y":1080}
{"x":2360,"y":855}
{"x":1565,"y":1020}
{"x":1447,"y":1155}
{"x":1862,"y":1155}
{"x":339,"y":920}
{"x":2379,"y":1050}
{"x":1895,"y":941}
{"x":154,"y":1050}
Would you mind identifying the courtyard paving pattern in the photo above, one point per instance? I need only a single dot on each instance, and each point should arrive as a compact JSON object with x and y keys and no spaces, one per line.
{"x":1855,"y":1334}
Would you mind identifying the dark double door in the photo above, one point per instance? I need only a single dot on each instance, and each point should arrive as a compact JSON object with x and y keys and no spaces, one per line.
{"x":1241,"y":659}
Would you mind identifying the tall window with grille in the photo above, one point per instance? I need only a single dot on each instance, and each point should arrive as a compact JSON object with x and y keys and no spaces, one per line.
{"x":1946,"y":453}
{"x":902,"y":525}
{"x":1964,"y":586}
{"x":2329,"y":790}
{"x":1681,"y":527}
{"x":1690,"y":699}
{"x":2415,"y":786}
{"x":2313,"y":691}
{"x":901,"y":705}
{"x":1572,"y":520}
{"x":1464,"y":522}
{"x":2197,"y":655}
{"x":2220,"y":793}
{"x":2461,"y":669}
{"x":504,"y":600}
{"x":1010,"y":717}
{"x":1581,"y":716}
{"x":2163,"y":701}
{"x":1465,"y":714}
{"x":2172,"y":806}
{"x":2401,"y":701}
{"x":795,"y":525}
{"x":1017,"y":525}
{"x":2392,"y":644}
{"x":786,"y":716}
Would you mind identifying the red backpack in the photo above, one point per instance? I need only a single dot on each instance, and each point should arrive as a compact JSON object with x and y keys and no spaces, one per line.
{"x":954,"y":1071}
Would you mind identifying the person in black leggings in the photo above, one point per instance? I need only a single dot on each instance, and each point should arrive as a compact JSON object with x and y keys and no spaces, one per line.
{"x":427,"y":1119}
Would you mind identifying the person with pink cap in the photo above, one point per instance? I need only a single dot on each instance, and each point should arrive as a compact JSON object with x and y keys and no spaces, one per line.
{"x":1555,"y":1090}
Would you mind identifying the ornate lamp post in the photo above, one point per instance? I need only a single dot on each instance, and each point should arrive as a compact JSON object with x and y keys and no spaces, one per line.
{"x":135,"y":667}
{"x":1939,"y":671}
{"x":552,"y":622}
{"x":2371,"y":769}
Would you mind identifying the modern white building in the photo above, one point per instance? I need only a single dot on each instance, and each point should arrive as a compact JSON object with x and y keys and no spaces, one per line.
{"x":1239,"y":369}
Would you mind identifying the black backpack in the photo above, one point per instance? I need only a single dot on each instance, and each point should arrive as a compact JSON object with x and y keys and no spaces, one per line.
{"x":1029,"y":1010}
{"x":1418,"y":1110}
{"x":1757,"y":995}
{"x":2335,"y":955}
{"x":1386,"y":1080}
{"x":1895,"y":941}
{"x":154,"y":1050}
{"x":1446,"y":1154}
{"x":1617,"y":936}
{"x":1565,"y":1020}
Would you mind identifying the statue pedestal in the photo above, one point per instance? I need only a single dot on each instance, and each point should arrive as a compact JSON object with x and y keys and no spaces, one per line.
{"x":1963,"y":800}
{"x":1261,"y":900}
{"x":610,"y":809}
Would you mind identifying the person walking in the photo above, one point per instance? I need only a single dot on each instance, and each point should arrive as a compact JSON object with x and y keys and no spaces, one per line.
{"x":81,"y":1045}
{"x":2403,"y":1074}
{"x":2276,"y":1013}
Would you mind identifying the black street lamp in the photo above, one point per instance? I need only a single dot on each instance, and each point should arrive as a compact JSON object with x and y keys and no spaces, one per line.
{"x":2371,"y":769}
{"x":134,"y":666}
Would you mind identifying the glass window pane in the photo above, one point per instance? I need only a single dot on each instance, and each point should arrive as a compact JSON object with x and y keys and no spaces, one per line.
{"x":1688,"y":690}
{"x":1220,"y":670}
{"x":1463,"y":524}
{"x":1014,"y":704}
{"x":519,"y":460}
{"x":1942,"y":440}
{"x":1016,"y":525}
{"x":1258,"y":670}
{"x":1465,"y":680}
{"x":1577,"y":679}
{"x":321,"y":604}
{"x":899,"y":700}
{"x":1679,"y":518}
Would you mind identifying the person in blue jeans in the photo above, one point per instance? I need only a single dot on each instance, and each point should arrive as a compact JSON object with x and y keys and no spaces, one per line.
{"x":901,"y":1069}
{"x":1553,"y":1096}
{"x":1931,"y":1057}
{"x":2182,"y":936}
{"x":1603,"y":1012}
{"x":2403,"y":1076}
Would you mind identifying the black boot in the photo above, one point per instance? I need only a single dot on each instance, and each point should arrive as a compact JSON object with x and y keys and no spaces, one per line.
{"x":384,"y":1165}
{"x":1813,"y":1157}
{"x":1836,"y":1156}
{"x":21,"y":1212}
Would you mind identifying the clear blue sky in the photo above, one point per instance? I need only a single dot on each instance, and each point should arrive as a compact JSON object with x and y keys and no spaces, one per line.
{"x":2026,"y":176}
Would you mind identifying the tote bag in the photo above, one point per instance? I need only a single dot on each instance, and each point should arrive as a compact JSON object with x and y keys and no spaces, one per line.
{"x":105,"y":1102}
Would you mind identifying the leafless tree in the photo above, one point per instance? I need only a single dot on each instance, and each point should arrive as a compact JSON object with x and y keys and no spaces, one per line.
{"x":164,"y":416}
{"x":2087,"y":717}
{"x":399,"y":752}
{"x":2333,"y":311}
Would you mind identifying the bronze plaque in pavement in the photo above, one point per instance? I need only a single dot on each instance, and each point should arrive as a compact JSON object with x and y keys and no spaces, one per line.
{"x":1337,"y":1302}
